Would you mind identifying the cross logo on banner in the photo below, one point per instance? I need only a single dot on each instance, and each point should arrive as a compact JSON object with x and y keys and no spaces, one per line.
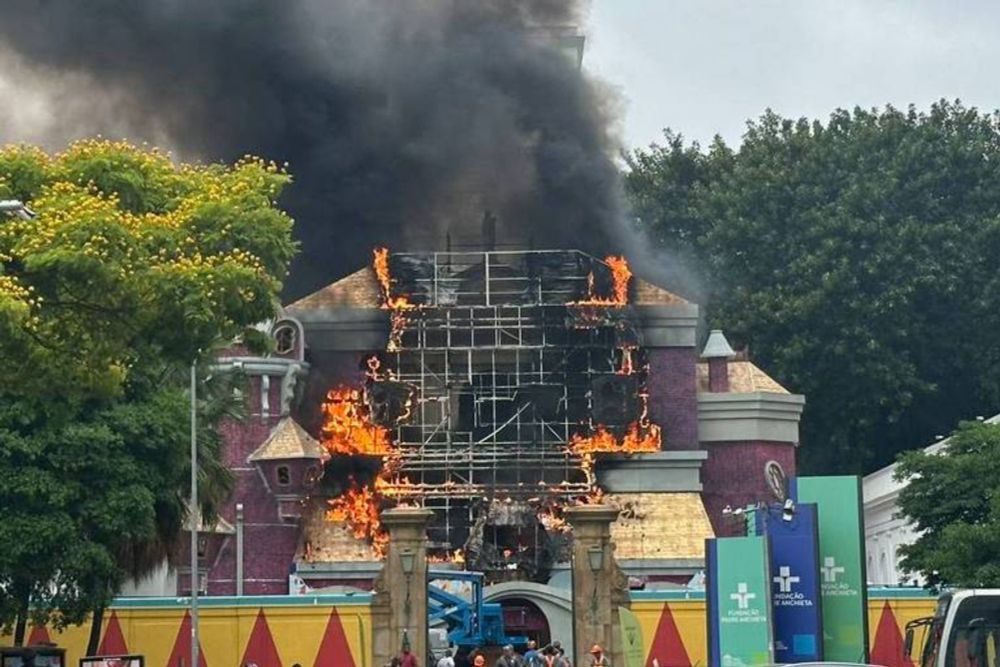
{"x":785,"y":579}
{"x":831,"y":570}
{"x":742,"y":596}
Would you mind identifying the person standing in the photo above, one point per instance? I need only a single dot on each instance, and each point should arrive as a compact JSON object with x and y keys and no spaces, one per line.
{"x":462,"y":657}
{"x":597,"y":657}
{"x":509,"y":658}
{"x":407,"y":659}
{"x":532,"y":658}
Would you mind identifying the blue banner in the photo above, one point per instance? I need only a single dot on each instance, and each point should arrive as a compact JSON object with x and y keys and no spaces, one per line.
{"x":795,"y":583}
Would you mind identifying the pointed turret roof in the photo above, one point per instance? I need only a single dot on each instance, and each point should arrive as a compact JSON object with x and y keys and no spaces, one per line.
{"x":647,"y":294}
{"x":744,"y":378}
{"x":357,"y":290}
{"x":288,"y":440}
{"x":717,"y":347}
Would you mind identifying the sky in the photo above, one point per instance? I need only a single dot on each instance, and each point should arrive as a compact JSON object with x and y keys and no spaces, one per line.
{"x":704,"y":67}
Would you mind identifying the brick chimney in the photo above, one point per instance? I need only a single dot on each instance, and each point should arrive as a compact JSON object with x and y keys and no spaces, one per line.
{"x":718,"y":352}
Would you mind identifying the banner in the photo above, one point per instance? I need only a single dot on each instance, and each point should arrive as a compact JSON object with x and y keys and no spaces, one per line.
{"x":795,"y":582}
{"x":631,"y":639}
{"x":841,"y":563}
{"x":739,"y":602}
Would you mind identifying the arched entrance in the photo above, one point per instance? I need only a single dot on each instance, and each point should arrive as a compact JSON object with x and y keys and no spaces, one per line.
{"x":523,"y":618}
{"x":552,"y":603}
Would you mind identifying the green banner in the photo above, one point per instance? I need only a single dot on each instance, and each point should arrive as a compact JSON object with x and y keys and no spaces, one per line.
{"x":631,"y":640}
{"x":841,"y":564}
{"x":739,"y":598}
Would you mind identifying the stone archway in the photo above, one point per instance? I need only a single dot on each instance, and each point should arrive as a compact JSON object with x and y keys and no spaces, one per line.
{"x":555,"y":604}
{"x":523,"y":617}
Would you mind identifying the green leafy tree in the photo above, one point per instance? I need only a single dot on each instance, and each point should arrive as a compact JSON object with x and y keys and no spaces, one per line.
{"x":132,"y":267}
{"x":857,"y":260}
{"x":953,"y":498}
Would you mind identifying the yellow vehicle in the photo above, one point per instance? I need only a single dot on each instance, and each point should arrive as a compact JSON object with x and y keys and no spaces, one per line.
{"x":963,"y":632}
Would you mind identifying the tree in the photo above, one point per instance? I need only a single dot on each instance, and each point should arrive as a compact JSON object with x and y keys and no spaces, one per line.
{"x":953,"y":499}
{"x":855,"y":258}
{"x":132,"y":267}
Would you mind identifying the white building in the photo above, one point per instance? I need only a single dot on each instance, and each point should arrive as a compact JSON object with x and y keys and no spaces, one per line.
{"x":884,"y":531}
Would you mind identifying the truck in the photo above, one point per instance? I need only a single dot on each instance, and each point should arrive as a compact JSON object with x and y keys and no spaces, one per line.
{"x":963,"y":632}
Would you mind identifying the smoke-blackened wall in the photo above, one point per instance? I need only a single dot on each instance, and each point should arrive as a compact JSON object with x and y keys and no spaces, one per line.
{"x":401,"y":119}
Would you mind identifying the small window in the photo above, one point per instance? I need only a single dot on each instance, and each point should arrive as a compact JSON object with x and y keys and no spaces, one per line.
{"x":202,"y":546}
{"x":285,"y":339}
{"x":284,"y":476}
{"x":311,"y":475}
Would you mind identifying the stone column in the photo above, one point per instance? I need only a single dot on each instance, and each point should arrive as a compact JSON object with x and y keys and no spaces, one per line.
{"x":399,"y":607}
{"x":597,"y":594}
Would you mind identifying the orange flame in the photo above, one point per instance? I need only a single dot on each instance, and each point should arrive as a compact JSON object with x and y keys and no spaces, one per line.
{"x":635,"y":439}
{"x":347,"y":428}
{"x":621,"y":275}
{"x":638,"y":437}
{"x":374,"y":367}
{"x":552,"y":521}
{"x":596,"y":497}
{"x":628,"y":363}
{"x":360,"y":509}
{"x":381,"y":266}
{"x":390,"y":485}
{"x":457,"y":557}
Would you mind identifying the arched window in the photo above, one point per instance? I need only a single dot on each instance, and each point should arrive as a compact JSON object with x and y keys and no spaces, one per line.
{"x":883,"y":569}
{"x":284,"y":476}
{"x":311,"y":476}
{"x":285,"y":338}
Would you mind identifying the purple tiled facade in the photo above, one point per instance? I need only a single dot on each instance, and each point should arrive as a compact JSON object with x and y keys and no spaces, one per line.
{"x":673,"y":395}
{"x":733,"y":476}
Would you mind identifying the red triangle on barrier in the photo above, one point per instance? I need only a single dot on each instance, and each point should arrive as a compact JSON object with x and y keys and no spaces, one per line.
{"x":668,"y":647}
{"x":114,"y":641}
{"x":260,"y":650}
{"x":39,"y":635}
{"x":888,"y":645}
{"x":181,"y":653}
{"x":334,"y":651}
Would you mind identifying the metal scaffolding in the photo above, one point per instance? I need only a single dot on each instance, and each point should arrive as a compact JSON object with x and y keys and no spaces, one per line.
{"x":504,"y":356}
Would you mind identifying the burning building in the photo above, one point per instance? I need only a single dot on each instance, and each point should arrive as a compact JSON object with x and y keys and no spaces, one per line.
{"x":497,"y":388}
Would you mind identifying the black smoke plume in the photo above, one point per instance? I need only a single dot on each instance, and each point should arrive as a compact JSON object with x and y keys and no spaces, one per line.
{"x":400,"y":119}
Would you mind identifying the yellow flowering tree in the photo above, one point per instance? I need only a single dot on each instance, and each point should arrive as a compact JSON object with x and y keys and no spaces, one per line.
{"x":130,"y":253}
{"x":130,"y":266}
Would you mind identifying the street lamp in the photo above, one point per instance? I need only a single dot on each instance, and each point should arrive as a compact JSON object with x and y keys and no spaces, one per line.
{"x":406,"y":561}
{"x":596,"y":557}
{"x":195,"y":515}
